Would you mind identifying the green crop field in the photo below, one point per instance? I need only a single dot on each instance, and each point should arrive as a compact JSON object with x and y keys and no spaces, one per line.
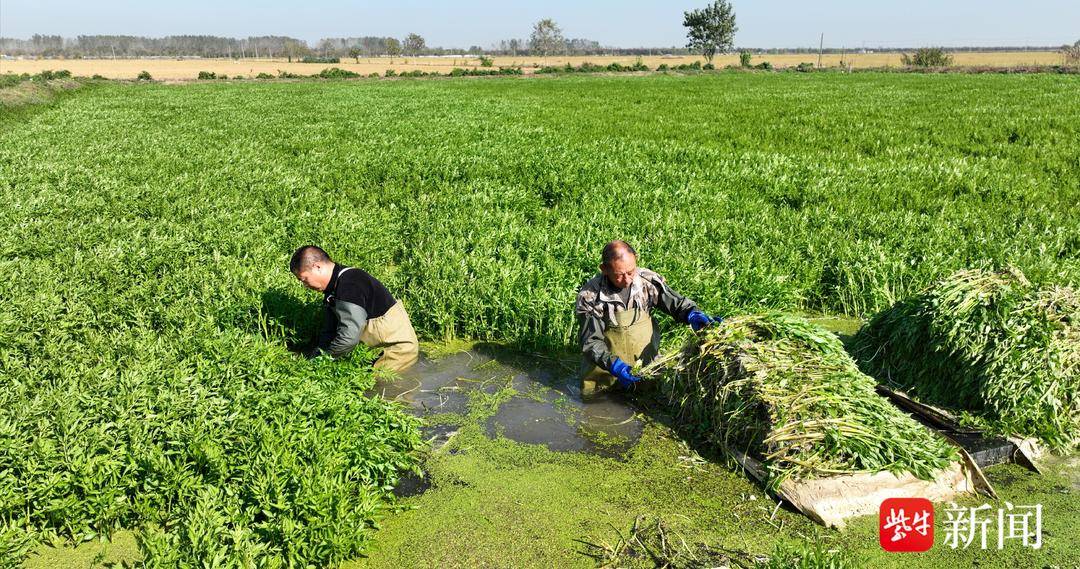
{"x":147,"y":312}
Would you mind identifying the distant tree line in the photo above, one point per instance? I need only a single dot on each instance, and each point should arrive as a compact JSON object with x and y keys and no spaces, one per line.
{"x":572,"y":46}
{"x":104,"y":46}
{"x":546,"y":39}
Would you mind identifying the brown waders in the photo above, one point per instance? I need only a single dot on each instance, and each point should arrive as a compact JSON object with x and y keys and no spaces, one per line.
{"x":393,"y":332}
{"x":635,"y":340}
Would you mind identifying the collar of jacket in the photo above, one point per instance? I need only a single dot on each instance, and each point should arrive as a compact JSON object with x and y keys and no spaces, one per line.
{"x":331,"y":287}
{"x":608,"y":292}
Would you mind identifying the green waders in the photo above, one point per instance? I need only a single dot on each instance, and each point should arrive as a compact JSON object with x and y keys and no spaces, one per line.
{"x":393,"y":332}
{"x":635,"y":340}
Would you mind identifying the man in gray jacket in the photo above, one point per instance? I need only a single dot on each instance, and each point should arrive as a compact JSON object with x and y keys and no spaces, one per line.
{"x":356,"y":308}
{"x":617,"y":329}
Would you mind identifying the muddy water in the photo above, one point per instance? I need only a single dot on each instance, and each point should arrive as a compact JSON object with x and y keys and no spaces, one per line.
{"x":544,"y":406}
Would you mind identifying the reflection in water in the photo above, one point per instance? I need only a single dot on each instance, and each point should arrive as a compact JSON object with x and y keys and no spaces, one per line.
{"x":547,"y":408}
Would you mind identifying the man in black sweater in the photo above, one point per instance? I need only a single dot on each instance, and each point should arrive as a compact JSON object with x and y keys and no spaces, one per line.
{"x":356,"y":308}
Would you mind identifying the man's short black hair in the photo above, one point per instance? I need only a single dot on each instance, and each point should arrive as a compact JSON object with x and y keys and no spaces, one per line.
{"x":306,"y":256}
{"x":615,"y":250}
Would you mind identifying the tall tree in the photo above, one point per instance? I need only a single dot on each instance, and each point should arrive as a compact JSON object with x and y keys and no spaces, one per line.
{"x":393,"y":46}
{"x":546,"y":38}
{"x":711,"y":29}
{"x":414,"y":44}
{"x":295,"y":49}
{"x":326,"y":47}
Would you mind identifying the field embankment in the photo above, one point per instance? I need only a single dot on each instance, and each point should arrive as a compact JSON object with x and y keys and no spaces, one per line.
{"x":18,"y":96}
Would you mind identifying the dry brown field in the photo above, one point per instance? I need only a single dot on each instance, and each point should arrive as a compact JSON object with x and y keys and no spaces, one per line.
{"x":183,"y":69}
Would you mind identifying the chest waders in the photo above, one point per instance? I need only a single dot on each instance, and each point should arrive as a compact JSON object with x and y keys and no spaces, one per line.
{"x":635,"y":340}
{"x":394,"y":333}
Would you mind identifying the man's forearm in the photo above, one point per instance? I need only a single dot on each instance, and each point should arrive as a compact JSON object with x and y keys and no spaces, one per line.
{"x":351,"y":320}
{"x":593,"y":344}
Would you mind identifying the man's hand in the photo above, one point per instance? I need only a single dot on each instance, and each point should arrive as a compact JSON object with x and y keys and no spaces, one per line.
{"x":698,"y":320}
{"x":621,"y":371}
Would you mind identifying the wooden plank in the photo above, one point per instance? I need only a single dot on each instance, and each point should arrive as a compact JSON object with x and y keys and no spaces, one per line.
{"x":1024,"y":450}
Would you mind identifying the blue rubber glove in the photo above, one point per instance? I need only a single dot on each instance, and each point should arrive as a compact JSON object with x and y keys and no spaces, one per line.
{"x":621,"y":371}
{"x":698,"y":320}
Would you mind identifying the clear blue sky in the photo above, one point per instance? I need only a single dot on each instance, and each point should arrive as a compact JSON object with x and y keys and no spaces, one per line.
{"x":625,"y":23}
